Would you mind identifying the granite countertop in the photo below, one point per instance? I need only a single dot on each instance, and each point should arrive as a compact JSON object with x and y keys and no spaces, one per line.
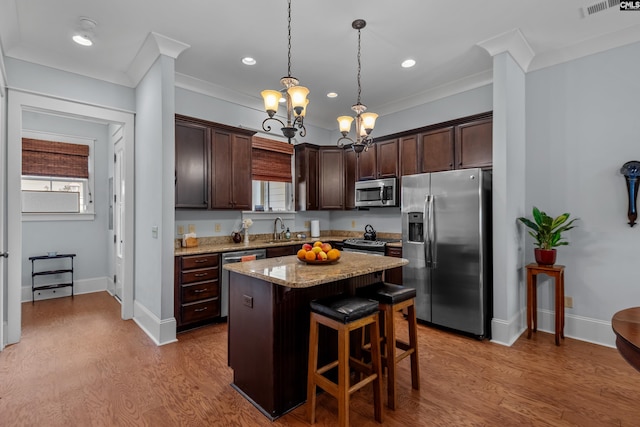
{"x":289,"y":271}
{"x":212,"y":247}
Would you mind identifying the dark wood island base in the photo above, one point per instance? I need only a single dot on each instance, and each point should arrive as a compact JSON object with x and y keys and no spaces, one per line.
{"x":268,"y":325}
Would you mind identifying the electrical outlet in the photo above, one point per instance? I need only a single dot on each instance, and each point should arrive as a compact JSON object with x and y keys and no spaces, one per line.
{"x":353,"y":224}
{"x":192,"y":228}
{"x":181,"y":229}
{"x":568,"y":302}
{"x":217,"y":228}
{"x":247,"y":301}
{"x":307,"y":224}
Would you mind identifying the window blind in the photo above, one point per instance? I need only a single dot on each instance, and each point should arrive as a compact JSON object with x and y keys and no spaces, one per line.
{"x":271,"y":160}
{"x":48,"y":158}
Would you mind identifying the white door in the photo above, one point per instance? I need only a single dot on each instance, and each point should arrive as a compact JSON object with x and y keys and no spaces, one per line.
{"x":119,"y":216}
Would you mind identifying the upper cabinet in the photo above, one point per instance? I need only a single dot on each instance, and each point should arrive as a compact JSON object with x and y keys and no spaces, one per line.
{"x":191,"y":175}
{"x":458,"y":144}
{"x":332,"y":178}
{"x":213,"y":165}
{"x":230,"y":171}
{"x":306,"y":159}
{"x":379,"y":161}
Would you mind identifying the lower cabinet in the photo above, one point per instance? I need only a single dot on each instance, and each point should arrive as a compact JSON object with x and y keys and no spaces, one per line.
{"x":283,"y":250}
{"x":393,"y":275}
{"x":197,"y":290}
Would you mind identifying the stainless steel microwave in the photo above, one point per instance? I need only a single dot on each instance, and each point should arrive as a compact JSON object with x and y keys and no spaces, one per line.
{"x":377,"y":192}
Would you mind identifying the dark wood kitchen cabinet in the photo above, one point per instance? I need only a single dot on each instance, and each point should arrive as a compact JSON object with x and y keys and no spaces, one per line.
{"x":474,"y":142}
{"x":436,"y":149}
{"x":393,"y":275}
{"x":230,"y":170}
{"x":307,"y":177}
{"x":331,"y":188}
{"x":350,"y":178}
{"x":379,"y":161}
{"x":408,"y":155}
{"x":197,"y":290}
{"x":213,"y":165}
{"x":192,"y":169}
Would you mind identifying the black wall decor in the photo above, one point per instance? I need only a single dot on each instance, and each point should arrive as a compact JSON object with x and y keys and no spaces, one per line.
{"x":631,"y":172}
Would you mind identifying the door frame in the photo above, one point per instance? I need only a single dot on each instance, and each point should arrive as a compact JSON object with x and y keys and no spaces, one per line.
{"x":19,"y":101}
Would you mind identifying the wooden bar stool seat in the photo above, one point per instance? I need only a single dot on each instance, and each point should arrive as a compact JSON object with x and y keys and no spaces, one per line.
{"x":344,"y":314}
{"x":391,"y":299}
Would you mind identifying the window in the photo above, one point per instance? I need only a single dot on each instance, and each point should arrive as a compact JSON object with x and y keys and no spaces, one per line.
{"x":271,"y":175}
{"x":56,"y":175}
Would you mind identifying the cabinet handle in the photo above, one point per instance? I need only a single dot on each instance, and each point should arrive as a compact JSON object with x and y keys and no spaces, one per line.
{"x":200,"y":309}
{"x":200,"y":274}
{"x":198,"y":291}
{"x":199,"y":261}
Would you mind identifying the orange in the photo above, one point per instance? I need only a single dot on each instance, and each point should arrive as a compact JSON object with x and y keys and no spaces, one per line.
{"x":318,"y":243}
{"x":333,"y":255}
{"x":310,"y":256}
{"x":302,"y":253}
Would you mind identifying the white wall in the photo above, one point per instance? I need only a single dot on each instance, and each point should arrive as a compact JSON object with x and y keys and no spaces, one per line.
{"x":582,"y":126}
{"x":88,"y":239}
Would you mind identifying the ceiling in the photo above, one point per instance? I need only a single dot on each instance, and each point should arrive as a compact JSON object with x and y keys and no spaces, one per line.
{"x":443,"y":37}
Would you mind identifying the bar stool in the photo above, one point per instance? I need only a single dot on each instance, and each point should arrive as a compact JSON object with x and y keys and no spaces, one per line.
{"x":391,"y":299}
{"x":344,"y":314}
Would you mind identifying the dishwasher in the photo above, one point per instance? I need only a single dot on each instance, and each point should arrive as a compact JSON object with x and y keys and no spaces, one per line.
{"x":231,"y":257}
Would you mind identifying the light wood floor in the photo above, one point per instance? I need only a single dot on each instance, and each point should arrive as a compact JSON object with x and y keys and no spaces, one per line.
{"x":78,"y":364}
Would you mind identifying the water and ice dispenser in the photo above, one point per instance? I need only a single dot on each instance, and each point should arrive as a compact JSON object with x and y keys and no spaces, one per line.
{"x":416,"y":227}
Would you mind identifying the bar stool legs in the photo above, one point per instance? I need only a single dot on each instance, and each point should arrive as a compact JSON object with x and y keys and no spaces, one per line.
{"x":342,"y":390}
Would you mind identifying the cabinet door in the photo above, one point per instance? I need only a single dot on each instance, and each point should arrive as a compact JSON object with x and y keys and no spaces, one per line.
{"x":350,"y":166}
{"x":241,"y":172}
{"x":474,"y":143}
{"x":191,"y":174}
{"x":221,"y":170}
{"x":387,"y":158}
{"x":393,"y":275}
{"x":408,"y":155}
{"x":306,"y":177}
{"x":331,"y":178}
{"x":436,"y":149}
{"x":367,"y":164}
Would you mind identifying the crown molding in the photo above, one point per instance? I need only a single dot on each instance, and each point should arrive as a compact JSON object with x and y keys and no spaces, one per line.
{"x":153,"y":46}
{"x":514,"y":43}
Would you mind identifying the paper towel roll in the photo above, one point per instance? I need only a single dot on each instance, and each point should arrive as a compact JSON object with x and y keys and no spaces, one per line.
{"x":315,"y":228}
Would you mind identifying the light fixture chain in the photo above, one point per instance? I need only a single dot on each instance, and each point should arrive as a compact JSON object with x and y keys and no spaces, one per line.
{"x":289,"y":45}
{"x":359,"y":67}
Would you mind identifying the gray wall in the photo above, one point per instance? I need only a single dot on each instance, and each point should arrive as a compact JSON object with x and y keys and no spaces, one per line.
{"x":582,"y":126}
{"x":88,"y":239}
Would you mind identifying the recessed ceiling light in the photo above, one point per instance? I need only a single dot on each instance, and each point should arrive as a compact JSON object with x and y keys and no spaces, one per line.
{"x":82,"y":40}
{"x":84,"y":34}
{"x":408,"y":63}
{"x":332,"y":95}
{"x":247,"y":60}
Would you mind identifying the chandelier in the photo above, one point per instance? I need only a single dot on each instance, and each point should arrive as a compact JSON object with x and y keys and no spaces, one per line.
{"x":296,"y":97}
{"x":364,"y":121}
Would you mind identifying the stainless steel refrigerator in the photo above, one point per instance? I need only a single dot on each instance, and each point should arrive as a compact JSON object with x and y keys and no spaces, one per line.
{"x":446,"y":236}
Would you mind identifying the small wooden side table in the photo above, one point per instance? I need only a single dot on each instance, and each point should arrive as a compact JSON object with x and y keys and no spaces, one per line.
{"x":556,"y":272}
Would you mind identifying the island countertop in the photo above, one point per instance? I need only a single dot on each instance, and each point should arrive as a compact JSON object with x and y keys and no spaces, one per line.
{"x":289,"y":271}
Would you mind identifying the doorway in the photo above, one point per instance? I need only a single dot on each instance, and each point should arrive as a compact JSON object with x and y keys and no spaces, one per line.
{"x":18,"y":103}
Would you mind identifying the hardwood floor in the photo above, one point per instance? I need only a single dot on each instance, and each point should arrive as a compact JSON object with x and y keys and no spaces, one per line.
{"x":78,"y":364}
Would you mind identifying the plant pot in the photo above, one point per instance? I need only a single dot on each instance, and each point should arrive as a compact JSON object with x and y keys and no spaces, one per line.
{"x":545,"y":256}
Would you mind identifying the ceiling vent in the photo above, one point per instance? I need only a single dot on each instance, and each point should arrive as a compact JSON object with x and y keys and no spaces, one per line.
{"x":598,"y":7}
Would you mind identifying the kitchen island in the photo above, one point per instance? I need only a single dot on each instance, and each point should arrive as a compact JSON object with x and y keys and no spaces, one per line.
{"x":268,"y":323}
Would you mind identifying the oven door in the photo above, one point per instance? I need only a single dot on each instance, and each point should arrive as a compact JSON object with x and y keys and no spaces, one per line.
{"x":363,"y":251}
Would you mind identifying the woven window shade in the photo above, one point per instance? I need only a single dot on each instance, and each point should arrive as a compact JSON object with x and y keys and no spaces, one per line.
{"x":48,"y":158}
{"x":271,"y":160}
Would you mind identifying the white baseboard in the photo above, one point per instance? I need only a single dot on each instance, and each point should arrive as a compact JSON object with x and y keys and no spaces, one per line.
{"x":161,"y":332}
{"x":577,"y":327}
{"x":111,"y":286}
{"x":81,"y":286}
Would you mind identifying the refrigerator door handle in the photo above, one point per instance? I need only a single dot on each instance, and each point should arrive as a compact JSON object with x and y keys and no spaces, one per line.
{"x":432,"y":232}
{"x":428,"y":256}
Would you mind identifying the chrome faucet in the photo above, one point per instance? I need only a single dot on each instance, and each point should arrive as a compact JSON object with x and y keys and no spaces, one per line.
{"x":276,"y":235}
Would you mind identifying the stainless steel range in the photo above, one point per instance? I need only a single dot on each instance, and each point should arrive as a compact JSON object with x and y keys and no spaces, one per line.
{"x":373,"y":247}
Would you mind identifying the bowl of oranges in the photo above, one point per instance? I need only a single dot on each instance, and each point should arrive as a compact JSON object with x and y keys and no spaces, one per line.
{"x":318,"y":253}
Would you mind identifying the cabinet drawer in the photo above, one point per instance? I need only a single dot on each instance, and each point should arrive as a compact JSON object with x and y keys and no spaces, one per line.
{"x":202,"y":310}
{"x":200,"y":291}
{"x":199,"y":275}
{"x":394,"y":252}
{"x":199,"y":261}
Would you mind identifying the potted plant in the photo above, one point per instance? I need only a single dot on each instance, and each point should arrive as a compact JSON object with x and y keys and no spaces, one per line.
{"x":548,"y":234}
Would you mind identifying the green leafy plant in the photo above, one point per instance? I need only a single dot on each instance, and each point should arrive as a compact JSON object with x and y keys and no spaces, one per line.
{"x":548,"y":230}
